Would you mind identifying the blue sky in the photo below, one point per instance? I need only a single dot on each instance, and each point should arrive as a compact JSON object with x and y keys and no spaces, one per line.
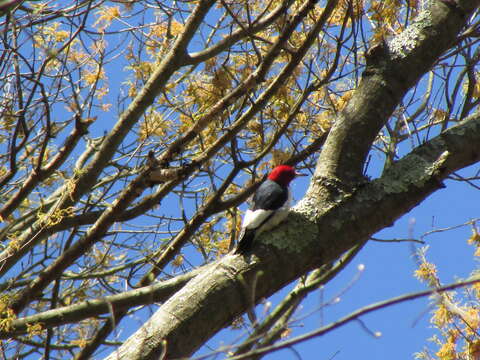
{"x":388,"y":273}
{"x":388,"y":270}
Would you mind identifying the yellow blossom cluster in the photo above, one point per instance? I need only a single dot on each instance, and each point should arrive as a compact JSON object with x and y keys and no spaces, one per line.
{"x":456,"y":316}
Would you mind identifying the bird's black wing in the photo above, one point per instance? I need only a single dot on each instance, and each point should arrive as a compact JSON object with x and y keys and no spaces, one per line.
{"x":245,"y":241}
{"x":270,"y":196}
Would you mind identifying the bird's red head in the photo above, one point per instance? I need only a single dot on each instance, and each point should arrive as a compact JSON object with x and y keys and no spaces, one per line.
{"x":282,"y":174}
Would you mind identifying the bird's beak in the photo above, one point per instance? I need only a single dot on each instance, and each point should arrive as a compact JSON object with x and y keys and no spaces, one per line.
{"x":299,"y":174}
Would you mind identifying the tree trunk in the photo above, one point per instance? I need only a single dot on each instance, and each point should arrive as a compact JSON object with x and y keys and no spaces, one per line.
{"x":340,"y":209}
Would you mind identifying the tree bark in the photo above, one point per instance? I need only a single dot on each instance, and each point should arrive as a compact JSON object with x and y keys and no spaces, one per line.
{"x":340,"y":208}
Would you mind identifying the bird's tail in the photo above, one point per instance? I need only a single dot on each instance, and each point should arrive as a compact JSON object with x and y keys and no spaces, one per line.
{"x":245,"y":241}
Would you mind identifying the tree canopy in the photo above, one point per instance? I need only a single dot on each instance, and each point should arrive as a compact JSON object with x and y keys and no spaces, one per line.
{"x":132,"y":131}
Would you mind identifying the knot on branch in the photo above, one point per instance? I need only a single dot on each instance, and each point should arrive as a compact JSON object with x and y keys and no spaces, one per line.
{"x":455,"y":6}
{"x":376,"y":53}
{"x":159,"y":176}
{"x":375,"y":58}
{"x":158,"y":172}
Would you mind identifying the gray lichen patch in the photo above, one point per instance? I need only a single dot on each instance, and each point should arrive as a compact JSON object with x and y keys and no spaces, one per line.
{"x":277,"y":239}
{"x":407,"y":173}
{"x":405,"y":42}
{"x":414,"y":170}
{"x":308,"y":208}
{"x":297,"y":232}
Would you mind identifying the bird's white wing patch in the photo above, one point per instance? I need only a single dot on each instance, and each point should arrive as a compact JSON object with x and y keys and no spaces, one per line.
{"x":253,"y":219}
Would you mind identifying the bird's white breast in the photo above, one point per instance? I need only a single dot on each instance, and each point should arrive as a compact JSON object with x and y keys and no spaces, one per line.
{"x":254,"y":218}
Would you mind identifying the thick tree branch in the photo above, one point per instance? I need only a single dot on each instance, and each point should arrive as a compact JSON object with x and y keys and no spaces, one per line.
{"x":327,"y":232}
{"x":332,"y":220}
{"x":63,"y":315}
{"x":391,"y":70}
{"x":263,"y":81}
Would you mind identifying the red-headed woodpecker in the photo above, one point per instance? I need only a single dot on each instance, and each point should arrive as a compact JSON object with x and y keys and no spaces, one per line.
{"x":271,"y":203}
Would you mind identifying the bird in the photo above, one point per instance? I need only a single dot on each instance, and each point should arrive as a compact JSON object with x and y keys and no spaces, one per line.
{"x":270,"y":206}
